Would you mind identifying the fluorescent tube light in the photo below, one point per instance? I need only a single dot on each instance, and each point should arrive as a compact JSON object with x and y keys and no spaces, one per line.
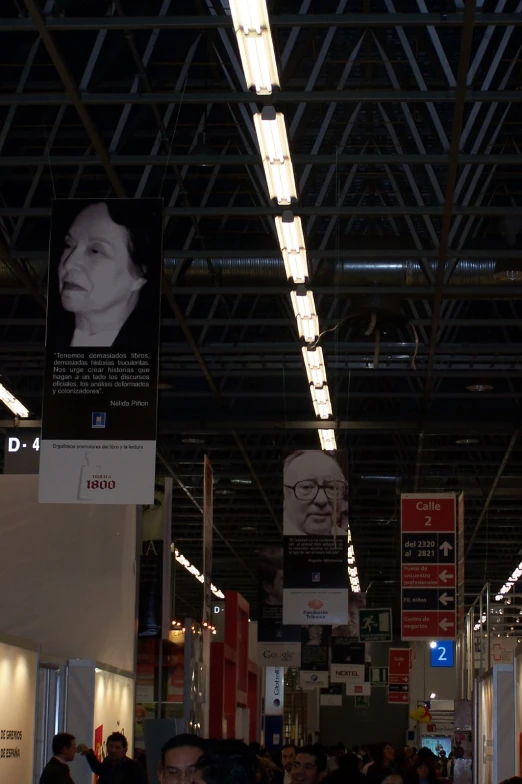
{"x":195,"y":572}
{"x":308,"y":328}
{"x":296,"y":266}
{"x":275,"y":152}
{"x":290,"y":232}
{"x":303,"y":303}
{"x":256,"y":48}
{"x":13,"y":403}
{"x":327,"y":439}
{"x":321,"y":401}
{"x":314,"y":363}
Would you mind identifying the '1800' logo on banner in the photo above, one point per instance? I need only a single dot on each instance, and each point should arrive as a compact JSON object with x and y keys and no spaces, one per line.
{"x":101,"y":482}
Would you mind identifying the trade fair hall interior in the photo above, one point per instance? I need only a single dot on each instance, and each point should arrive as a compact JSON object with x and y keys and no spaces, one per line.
{"x":260,"y":391}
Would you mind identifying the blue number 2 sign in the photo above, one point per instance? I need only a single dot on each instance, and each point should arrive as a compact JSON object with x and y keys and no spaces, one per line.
{"x":443,"y":654}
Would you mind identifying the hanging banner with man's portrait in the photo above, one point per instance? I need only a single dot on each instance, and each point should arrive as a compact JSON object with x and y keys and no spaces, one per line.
{"x":278,"y":645}
{"x":99,"y":411}
{"x":315,"y":524}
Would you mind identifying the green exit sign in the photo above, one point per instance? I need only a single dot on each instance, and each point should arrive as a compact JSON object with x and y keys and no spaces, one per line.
{"x":362,"y":702}
{"x":375,"y":625}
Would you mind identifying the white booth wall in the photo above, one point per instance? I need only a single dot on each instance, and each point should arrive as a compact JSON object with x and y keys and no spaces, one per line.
{"x":97,"y":698}
{"x":67,"y":575}
{"x":18,"y":675}
{"x":495,"y":725}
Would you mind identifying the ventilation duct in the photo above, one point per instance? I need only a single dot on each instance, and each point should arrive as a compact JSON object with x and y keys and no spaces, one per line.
{"x":256,"y":272}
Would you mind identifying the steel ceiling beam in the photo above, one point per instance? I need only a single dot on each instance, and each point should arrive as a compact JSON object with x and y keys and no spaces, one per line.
{"x":466,"y":45}
{"x":284,"y":97}
{"x":314,"y":159}
{"x":498,"y":477}
{"x":298,"y":209}
{"x":183,"y":23}
{"x":226,"y":424}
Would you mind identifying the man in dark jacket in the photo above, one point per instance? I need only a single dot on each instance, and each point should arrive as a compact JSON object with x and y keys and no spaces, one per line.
{"x":57,"y":770}
{"x":116,"y":768}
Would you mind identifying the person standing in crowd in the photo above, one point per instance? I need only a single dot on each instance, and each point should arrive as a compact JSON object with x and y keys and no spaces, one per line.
{"x":179,"y":759}
{"x":309,"y":765}
{"x":57,"y":769}
{"x":116,"y":768}
{"x":348,"y":772}
{"x":288,"y":754}
{"x":422,"y":772}
{"x":382,"y":766}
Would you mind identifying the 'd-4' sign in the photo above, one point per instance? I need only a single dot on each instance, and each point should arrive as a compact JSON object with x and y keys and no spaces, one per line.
{"x":428,"y":566}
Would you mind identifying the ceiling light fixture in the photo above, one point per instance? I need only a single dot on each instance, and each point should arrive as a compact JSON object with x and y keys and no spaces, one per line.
{"x":255,"y":44}
{"x":275,"y":153}
{"x":327,"y":439}
{"x":192,"y":440}
{"x":13,"y":404}
{"x":303,"y":304}
{"x":292,"y":244}
{"x":510,"y":582}
{"x":194,"y":571}
{"x":321,"y":401}
{"x":241,"y":481}
{"x":479,"y":387}
{"x":314,"y":363}
{"x":467,"y":441}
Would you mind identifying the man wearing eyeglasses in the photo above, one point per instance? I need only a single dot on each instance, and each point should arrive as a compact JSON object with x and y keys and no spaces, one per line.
{"x":315,"y":495}
{"x":179,"y":759}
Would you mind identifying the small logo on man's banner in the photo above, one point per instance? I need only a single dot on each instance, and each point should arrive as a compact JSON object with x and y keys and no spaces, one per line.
{"x":99,"y":419}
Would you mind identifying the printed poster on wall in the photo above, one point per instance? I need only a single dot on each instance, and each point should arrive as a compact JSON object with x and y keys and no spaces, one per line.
{"x":315,"y":524}
{"x":278,"y":645}
{"x":155,"y":588}
{"x":208,"y":529}
{"x":101,"y":354}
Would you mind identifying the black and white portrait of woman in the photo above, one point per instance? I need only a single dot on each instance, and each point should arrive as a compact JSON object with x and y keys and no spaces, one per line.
{"x":105,"y":273}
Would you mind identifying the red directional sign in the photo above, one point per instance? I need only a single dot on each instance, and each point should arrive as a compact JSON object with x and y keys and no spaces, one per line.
{"x":399,"y":676}
{"x":428,"y":570}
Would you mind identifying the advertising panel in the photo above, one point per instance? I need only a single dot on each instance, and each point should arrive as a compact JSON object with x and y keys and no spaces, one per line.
{"x":315,"y":523}
{"x":99,"y":410}
{"x":313,"y":680}
{"x":347,"y":673}
{"x":332,"y":697}
{"x":278,"y":645}
{"x":429,"y":577}
{"x":21,"y":451}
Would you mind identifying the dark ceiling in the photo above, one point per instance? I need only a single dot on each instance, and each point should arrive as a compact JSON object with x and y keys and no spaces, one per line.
{"x":405,"y":131}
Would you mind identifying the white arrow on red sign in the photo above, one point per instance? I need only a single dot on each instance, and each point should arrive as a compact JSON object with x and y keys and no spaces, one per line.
{"x":445,"y":624}
{"x":445,"y":576}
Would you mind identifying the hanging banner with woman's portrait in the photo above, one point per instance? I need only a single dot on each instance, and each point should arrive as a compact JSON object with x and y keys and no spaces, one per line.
{"x":278,"y":645}
{"x":315,"y":648}
{"x":315,"y":524}
{"x":101,"y":353}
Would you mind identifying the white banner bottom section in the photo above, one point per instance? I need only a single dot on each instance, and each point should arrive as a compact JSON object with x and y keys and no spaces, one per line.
{"x":347,"y":673}
{"x":356,"y":689}
{"x":320,"y":607}
{"x":309,"y":680}
{"x":279,"y":654}
{"x":97,"y":472}
{"x":331,"y":700}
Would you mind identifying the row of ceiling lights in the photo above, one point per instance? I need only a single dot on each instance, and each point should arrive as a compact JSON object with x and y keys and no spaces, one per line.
{"x":510,"y":582}
{"x":256,"y":49}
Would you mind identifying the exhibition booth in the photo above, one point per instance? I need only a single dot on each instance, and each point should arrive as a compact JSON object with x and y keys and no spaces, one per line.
{"x":494,"y":725}
{"x":70,"y":613}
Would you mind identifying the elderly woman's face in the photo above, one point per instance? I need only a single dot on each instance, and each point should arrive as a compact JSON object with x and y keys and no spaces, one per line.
{"x":96,"y":271}
{"x":317,"y":478}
